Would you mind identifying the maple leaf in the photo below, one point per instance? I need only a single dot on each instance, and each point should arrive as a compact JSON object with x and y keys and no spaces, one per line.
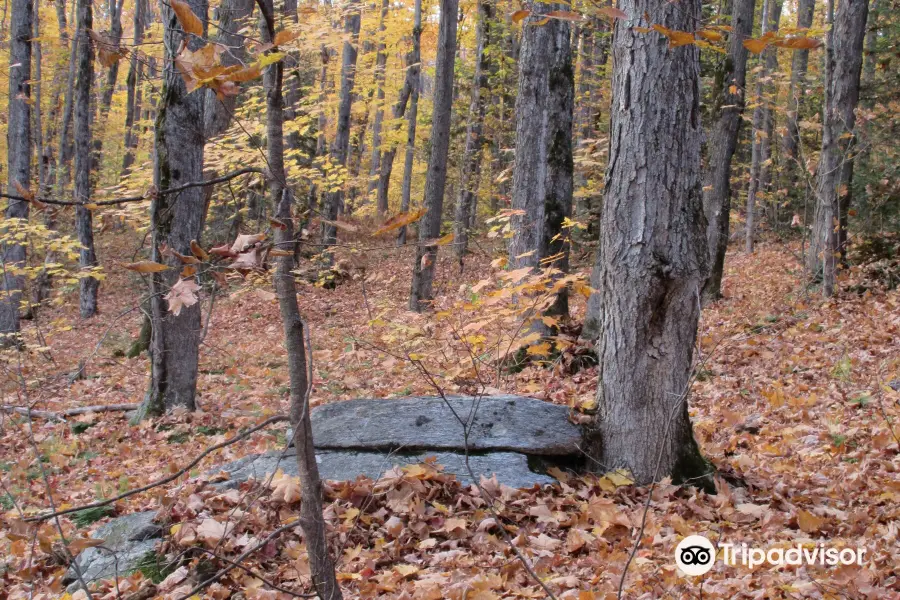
{"x":211,"y":531}
{"x":189,"y":21}
{"x":183,"y":293}
{"x":284,"y":487}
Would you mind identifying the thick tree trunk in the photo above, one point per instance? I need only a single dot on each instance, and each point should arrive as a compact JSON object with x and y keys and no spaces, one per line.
{"x":471,"y":163}
{"x":231,"y":16}
{"x":728,"y":106}
{"x":842,"y":73}
{"x":762,"y":124}
{"x":653,"y":255}
{"x":340,"y":148}
{"x":421,"y":291}
{"x":311,"y":520}
{"x":380,"y":66}
{"x":414,"y":78}
{"x":542,"y":178}
{"x":132,"y":103}
{"x":175,"y":220}
{"x":18,"y":152}
{"x":797,"y":91}
{"x":84,"y":221}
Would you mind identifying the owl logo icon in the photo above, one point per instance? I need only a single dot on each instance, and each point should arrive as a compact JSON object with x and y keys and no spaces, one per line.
{"x":695,"y":555}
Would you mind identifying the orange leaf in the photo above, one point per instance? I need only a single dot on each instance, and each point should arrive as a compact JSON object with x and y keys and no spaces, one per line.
{"x":189,"y":21}
{"x":197,"y":251}
{"x":519,"y":15}
{"x":614,"y":13}
{"x":565,"y":15}
{"x":798,"y":43}
{"x":399,"y":220}
{"x":146,"y":266}
{"x":285,"y":37}
{"x":755,"y":45}
{"x":709,"y":35}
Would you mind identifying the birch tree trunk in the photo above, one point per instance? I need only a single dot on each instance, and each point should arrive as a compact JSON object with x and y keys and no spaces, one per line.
{"x":414,"y":73}
{"x":112,"y":76}
{"x":843,"y":67}
{"x":728,"y":107}
{"x":311,"y":520}
{"x":380,"y":65}
{"x":542,"y":177}
{"x":421,"y":291}
{"x":796,"y":93}
{"x":340,"y":148}
{"x":64,"y":155}
{"x":761,"y":124}
{"x":18,"y":152}
{"x":84,"y":221}
{"x":653,"y":255}
{"x":471,"y":163}
{"x":175,"y":220}
{"x":132,"y":106}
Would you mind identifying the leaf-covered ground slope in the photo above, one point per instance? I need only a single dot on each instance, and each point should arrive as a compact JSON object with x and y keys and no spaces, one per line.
{"x":791,"y":397}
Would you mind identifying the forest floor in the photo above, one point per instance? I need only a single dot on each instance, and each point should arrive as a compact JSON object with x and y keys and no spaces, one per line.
{"x":791,"y":398}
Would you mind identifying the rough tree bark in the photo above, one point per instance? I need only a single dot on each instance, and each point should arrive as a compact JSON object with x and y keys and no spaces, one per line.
{"x":311,"y":520}
{"x":340,"y":148}
{"x":728,"y":106}
{"x":762,"y":123}
{"x":84,"y":221}
{"x":653,"y":254}
{"x":796,"y":93}
{"x":842,"y":73}
{"x":18,"y":145}
{"x":471,"y":163}
{"x":380,"y":66}
{"x":414,"y":75}
{"x":175,"y":220}
{"x":421,"y":293}
{"x":231,"y":15}
{"x":542,"y":177}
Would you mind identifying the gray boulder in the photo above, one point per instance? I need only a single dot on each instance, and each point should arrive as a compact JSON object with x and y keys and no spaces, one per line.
{"x":511,"y":468}
{"x":127,"y":540}
{"x":495,"y":423}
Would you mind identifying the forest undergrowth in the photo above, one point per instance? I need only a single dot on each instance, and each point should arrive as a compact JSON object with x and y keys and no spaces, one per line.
{"x":791,"y":402}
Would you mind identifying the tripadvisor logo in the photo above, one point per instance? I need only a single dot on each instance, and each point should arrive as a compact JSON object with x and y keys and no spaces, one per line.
{"x":695,"y":555}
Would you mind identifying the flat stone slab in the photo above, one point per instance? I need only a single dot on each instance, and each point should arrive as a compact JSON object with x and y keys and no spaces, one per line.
{"x":496,"y":423}
{"x":510,"y":468}
{"x":127,"y":540}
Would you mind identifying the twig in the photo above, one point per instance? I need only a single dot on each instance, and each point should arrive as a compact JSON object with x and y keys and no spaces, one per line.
{"x":142,"y":197}
{"x":61,"y":415}
{"x":164,"y":480}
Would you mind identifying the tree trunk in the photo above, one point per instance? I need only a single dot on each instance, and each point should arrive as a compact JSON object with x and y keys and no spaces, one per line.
{"x":542,"y":177}
{"x":38,"y":86}
{"x":132,"y":105}
{"x":414,"y":78}
{"x":799,"y":62}
{"x":311,"y":520}
{"x":380,"y":66}
{"x":231,"y":15}
{"x":842,"y":73}
{"x":175,"y":220}
{"x":112,"y":75}
{"x":84,"y":221}
{"x":471,"y":163}
{"x":653,"y":254}
{"x":426,"y":252}
{"x":64,"y":154}
{"x":18,"y":152}
{"x":761,"y":124}
{"x":728,"y":107}
{"x":340,"y":148}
